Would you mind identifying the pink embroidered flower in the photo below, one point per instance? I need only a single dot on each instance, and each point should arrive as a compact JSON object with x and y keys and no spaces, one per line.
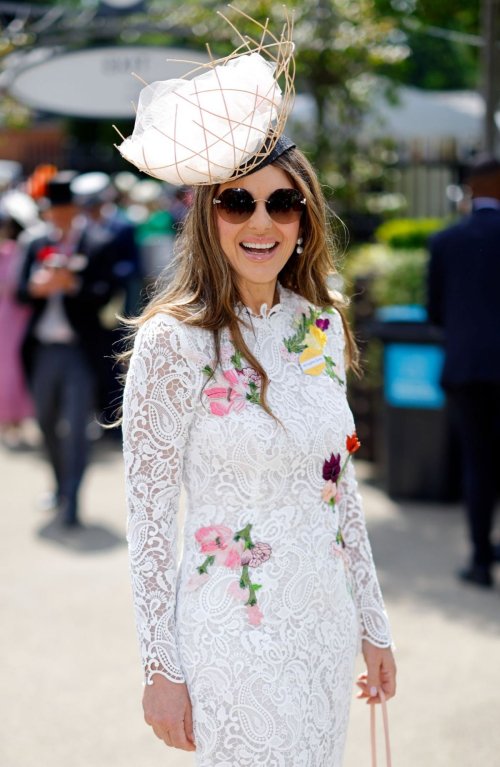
{"x":328,"y":491}
{"x":213,"y":537}
{"x":230,"y":556}
{"x":289,"y":356}
{"x":237,"y":592}
{"x":249,"y":375}
{"x":197,"y":580}
{"x":257,"y":555}
{"x":217,"y":392}
{"x":323,"y":324}
{"x":223,"y":547}
{"x":254,"y":614}
{"x":218,"y":395}
{"x":219,"y":408}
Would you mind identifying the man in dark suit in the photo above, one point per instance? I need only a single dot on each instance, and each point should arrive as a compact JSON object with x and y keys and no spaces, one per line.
{"x":67,"y":277}
{"x":463,"y":299}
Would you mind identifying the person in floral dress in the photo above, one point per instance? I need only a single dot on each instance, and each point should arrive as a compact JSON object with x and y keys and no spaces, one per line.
{"x":236,"y":388}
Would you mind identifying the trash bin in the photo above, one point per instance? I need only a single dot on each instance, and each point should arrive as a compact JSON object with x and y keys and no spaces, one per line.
{"x":416,"y":450}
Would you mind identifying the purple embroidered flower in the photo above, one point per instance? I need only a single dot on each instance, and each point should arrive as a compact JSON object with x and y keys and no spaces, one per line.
{"x":323,"y":324}
{"x":257,"y":555}
{"x":331,"y":468}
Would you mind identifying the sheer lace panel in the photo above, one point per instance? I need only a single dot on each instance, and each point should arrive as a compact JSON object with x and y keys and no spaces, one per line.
{"x":157,"y":411}
{"x":374,"y":623}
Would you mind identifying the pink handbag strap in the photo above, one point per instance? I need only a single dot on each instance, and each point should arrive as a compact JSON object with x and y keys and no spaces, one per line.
{"x":386,"y":730}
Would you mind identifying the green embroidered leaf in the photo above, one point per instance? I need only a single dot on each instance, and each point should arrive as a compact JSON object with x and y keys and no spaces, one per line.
{"x":257,"y":586}
{"x":236,"y":358}
{"x":293,"y":345}
{"x":208,"y":370}
{"x":254,"y":397}
{"x":330,"y":364}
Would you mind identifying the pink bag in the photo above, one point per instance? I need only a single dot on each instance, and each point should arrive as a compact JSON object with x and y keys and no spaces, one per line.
{"x":386,"y":730}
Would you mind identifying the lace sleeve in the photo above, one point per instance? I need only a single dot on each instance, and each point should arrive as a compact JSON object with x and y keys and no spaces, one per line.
{"x":373,"y":620}
{"x":157,"y":411}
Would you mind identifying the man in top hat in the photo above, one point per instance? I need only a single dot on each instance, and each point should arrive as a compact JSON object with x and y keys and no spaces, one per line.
{"x":67,"y":277}
{"x":96,"y":194}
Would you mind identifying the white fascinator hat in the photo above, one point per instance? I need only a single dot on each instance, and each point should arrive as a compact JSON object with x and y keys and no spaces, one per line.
{"x":225,"y":122}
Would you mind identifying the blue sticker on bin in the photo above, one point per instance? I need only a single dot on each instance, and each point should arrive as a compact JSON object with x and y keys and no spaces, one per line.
{"x":411,"y":375}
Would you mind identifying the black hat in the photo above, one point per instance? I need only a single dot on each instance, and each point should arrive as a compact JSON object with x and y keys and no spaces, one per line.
{"x":58,"y":188}
{"x":282,"y":145}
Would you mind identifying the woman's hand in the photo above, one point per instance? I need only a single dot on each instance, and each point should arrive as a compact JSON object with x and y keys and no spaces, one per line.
{"x":167,"y":709}
{"x":381,"y":672}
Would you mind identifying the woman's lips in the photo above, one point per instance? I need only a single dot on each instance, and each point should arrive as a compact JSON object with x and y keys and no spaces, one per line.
{"x":259,"y":256}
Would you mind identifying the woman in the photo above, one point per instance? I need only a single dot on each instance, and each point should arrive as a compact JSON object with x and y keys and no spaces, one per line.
{"x":237,"y":388}
{"x":17,"y":212}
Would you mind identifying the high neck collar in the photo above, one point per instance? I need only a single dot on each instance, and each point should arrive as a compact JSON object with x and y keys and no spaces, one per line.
{"x":265,"y":313}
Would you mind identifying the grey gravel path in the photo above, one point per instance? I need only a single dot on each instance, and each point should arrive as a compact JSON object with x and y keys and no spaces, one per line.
{"x":71,"y":683}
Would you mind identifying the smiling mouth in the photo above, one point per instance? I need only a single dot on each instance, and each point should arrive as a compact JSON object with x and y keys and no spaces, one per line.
{"x":259,"y":249}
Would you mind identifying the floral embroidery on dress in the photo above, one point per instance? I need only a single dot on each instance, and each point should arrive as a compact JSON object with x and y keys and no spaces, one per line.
{"x":308,"y":343}
{"x":233,"y":550}
{"x":332,"y":474}
{"x":233,"y":388}
{"x":332,"y":471}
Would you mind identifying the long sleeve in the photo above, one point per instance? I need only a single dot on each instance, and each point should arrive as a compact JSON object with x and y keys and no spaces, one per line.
{"x":158,"y":407}
{"x":373,"y":620}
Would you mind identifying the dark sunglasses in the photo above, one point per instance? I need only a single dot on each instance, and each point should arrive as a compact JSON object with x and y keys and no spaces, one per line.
{"x":237,"y":205}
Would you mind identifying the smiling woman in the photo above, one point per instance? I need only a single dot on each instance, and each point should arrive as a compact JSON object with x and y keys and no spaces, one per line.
{"x":237,"y":389}
{"x":258,"y":246}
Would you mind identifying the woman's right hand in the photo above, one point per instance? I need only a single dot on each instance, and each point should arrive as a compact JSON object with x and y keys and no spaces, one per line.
{"x":167,"y":709}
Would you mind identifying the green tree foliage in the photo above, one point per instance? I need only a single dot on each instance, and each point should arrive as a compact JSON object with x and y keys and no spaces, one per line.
{"x":439,"y":59}
{"x":341,"y":46}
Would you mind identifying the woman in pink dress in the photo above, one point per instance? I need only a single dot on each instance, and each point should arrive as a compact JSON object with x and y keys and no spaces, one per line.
{"x":15,"y":400}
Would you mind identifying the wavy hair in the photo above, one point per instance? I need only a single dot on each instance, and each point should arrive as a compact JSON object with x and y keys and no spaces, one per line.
{"x":203,"y":291}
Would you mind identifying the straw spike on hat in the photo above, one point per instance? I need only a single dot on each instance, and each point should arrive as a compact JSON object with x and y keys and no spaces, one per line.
{"x":223,"y":123}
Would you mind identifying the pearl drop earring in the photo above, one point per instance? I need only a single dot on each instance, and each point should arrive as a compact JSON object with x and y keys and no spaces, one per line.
{"x":299,"y":248}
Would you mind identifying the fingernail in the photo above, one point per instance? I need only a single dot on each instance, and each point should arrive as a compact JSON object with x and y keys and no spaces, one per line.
{"x":373,"y":692}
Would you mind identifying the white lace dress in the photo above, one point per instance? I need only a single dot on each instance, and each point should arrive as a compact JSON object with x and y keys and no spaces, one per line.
{"x":276,"y":586}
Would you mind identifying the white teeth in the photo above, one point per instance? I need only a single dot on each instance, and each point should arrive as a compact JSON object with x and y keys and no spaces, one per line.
{"x":259,"y":245}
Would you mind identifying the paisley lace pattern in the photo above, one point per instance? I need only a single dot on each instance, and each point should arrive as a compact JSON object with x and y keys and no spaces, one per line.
{"x":275,"y":690}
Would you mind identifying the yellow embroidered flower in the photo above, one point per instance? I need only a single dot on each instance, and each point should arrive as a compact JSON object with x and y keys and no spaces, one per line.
{"x":315,"y":338}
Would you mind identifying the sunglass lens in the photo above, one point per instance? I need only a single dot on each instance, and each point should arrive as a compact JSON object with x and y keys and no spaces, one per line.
{"x":236,"y":205}
{"x":285,"y":205}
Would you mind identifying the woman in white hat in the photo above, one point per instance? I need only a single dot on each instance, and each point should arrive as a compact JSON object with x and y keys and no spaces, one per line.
{"x":237,"y":389}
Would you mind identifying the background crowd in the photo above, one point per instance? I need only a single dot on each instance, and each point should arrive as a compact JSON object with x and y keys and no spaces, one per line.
{"x":77,"y":251}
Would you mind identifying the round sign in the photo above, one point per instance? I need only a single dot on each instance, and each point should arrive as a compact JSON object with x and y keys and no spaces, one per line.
{"x":98,"y":82}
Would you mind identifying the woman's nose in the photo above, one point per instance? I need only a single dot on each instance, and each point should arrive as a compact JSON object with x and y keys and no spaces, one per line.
{"x":260,"y":219}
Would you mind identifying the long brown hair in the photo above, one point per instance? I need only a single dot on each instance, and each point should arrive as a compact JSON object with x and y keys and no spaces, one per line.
{"x":203,"y":291}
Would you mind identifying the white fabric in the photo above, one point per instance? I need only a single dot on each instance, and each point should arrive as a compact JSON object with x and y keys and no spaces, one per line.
{"x":277,"y":693}
{"x":53,"y":326}
{"x":189,"y":131}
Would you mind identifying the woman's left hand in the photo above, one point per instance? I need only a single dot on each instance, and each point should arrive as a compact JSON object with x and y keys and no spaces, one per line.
{"x":381,"y":672}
